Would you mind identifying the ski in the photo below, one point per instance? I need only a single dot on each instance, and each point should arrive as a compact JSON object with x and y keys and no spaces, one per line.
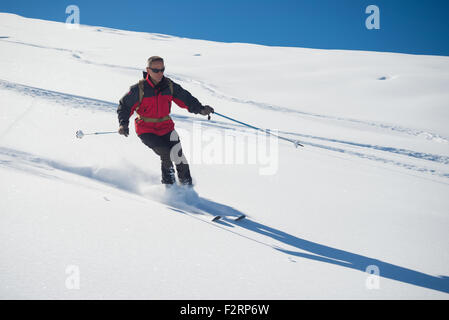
{"x":188,"y":196}
{"x":238,"y":218}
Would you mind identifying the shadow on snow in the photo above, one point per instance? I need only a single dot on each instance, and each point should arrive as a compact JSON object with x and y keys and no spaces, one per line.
{"x":31,"y":164}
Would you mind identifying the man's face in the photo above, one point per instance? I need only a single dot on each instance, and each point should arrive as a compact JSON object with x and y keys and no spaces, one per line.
{"x":157,"y":76}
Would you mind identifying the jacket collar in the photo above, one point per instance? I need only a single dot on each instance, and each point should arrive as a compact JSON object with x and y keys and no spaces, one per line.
{"x":161,"y":85}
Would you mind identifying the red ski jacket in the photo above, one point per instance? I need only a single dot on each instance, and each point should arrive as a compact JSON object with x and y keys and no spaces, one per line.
{"x":153,"y":112}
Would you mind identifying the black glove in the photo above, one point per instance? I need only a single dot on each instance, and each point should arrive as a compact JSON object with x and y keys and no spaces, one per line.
{"x":123,"y":130}
{"x":206,"y":110}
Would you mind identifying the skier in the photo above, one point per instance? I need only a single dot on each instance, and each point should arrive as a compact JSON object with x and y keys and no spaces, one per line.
{"x":151,"y":99}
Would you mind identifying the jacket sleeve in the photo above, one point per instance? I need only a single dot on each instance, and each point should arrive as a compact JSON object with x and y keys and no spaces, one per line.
{"x":184,"y":99}
{"x":127,"y":105}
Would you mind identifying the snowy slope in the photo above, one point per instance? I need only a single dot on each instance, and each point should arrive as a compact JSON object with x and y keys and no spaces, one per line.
{"x":368,"y":189}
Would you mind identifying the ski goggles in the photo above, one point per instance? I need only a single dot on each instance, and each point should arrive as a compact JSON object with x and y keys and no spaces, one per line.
{"x":157,"y":70}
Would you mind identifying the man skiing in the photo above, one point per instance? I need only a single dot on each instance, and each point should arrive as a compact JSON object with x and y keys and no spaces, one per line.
{"x":151,"y":99}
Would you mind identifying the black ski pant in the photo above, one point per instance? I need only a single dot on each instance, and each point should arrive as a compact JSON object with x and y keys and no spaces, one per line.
{"x":163,"y":146}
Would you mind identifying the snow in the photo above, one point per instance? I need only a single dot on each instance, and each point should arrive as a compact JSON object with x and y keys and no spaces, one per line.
{"x":368,"y":189}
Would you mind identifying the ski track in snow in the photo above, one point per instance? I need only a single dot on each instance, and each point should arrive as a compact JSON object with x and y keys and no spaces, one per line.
{"x":126,"y":180}
{"x":261,"y":105}
{"x":269,"y":107}
{"x":130,"y":180}
{"x":405,"y":152}
{"x":74,"y":101}
{"x":40,"y":46}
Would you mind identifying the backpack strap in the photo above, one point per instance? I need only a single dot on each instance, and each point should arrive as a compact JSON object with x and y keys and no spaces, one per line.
{"x":141,"y":92}
{"x":170,"y":85}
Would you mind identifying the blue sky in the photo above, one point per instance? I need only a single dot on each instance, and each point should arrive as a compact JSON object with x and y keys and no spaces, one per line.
{"x":409,"y":26}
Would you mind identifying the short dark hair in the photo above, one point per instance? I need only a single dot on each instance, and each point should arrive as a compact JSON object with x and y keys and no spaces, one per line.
{"x":154,"y":59}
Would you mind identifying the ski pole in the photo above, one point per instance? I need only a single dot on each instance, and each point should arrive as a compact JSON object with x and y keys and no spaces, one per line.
{"x":295,"y":142}
{"x":80,"y":133}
